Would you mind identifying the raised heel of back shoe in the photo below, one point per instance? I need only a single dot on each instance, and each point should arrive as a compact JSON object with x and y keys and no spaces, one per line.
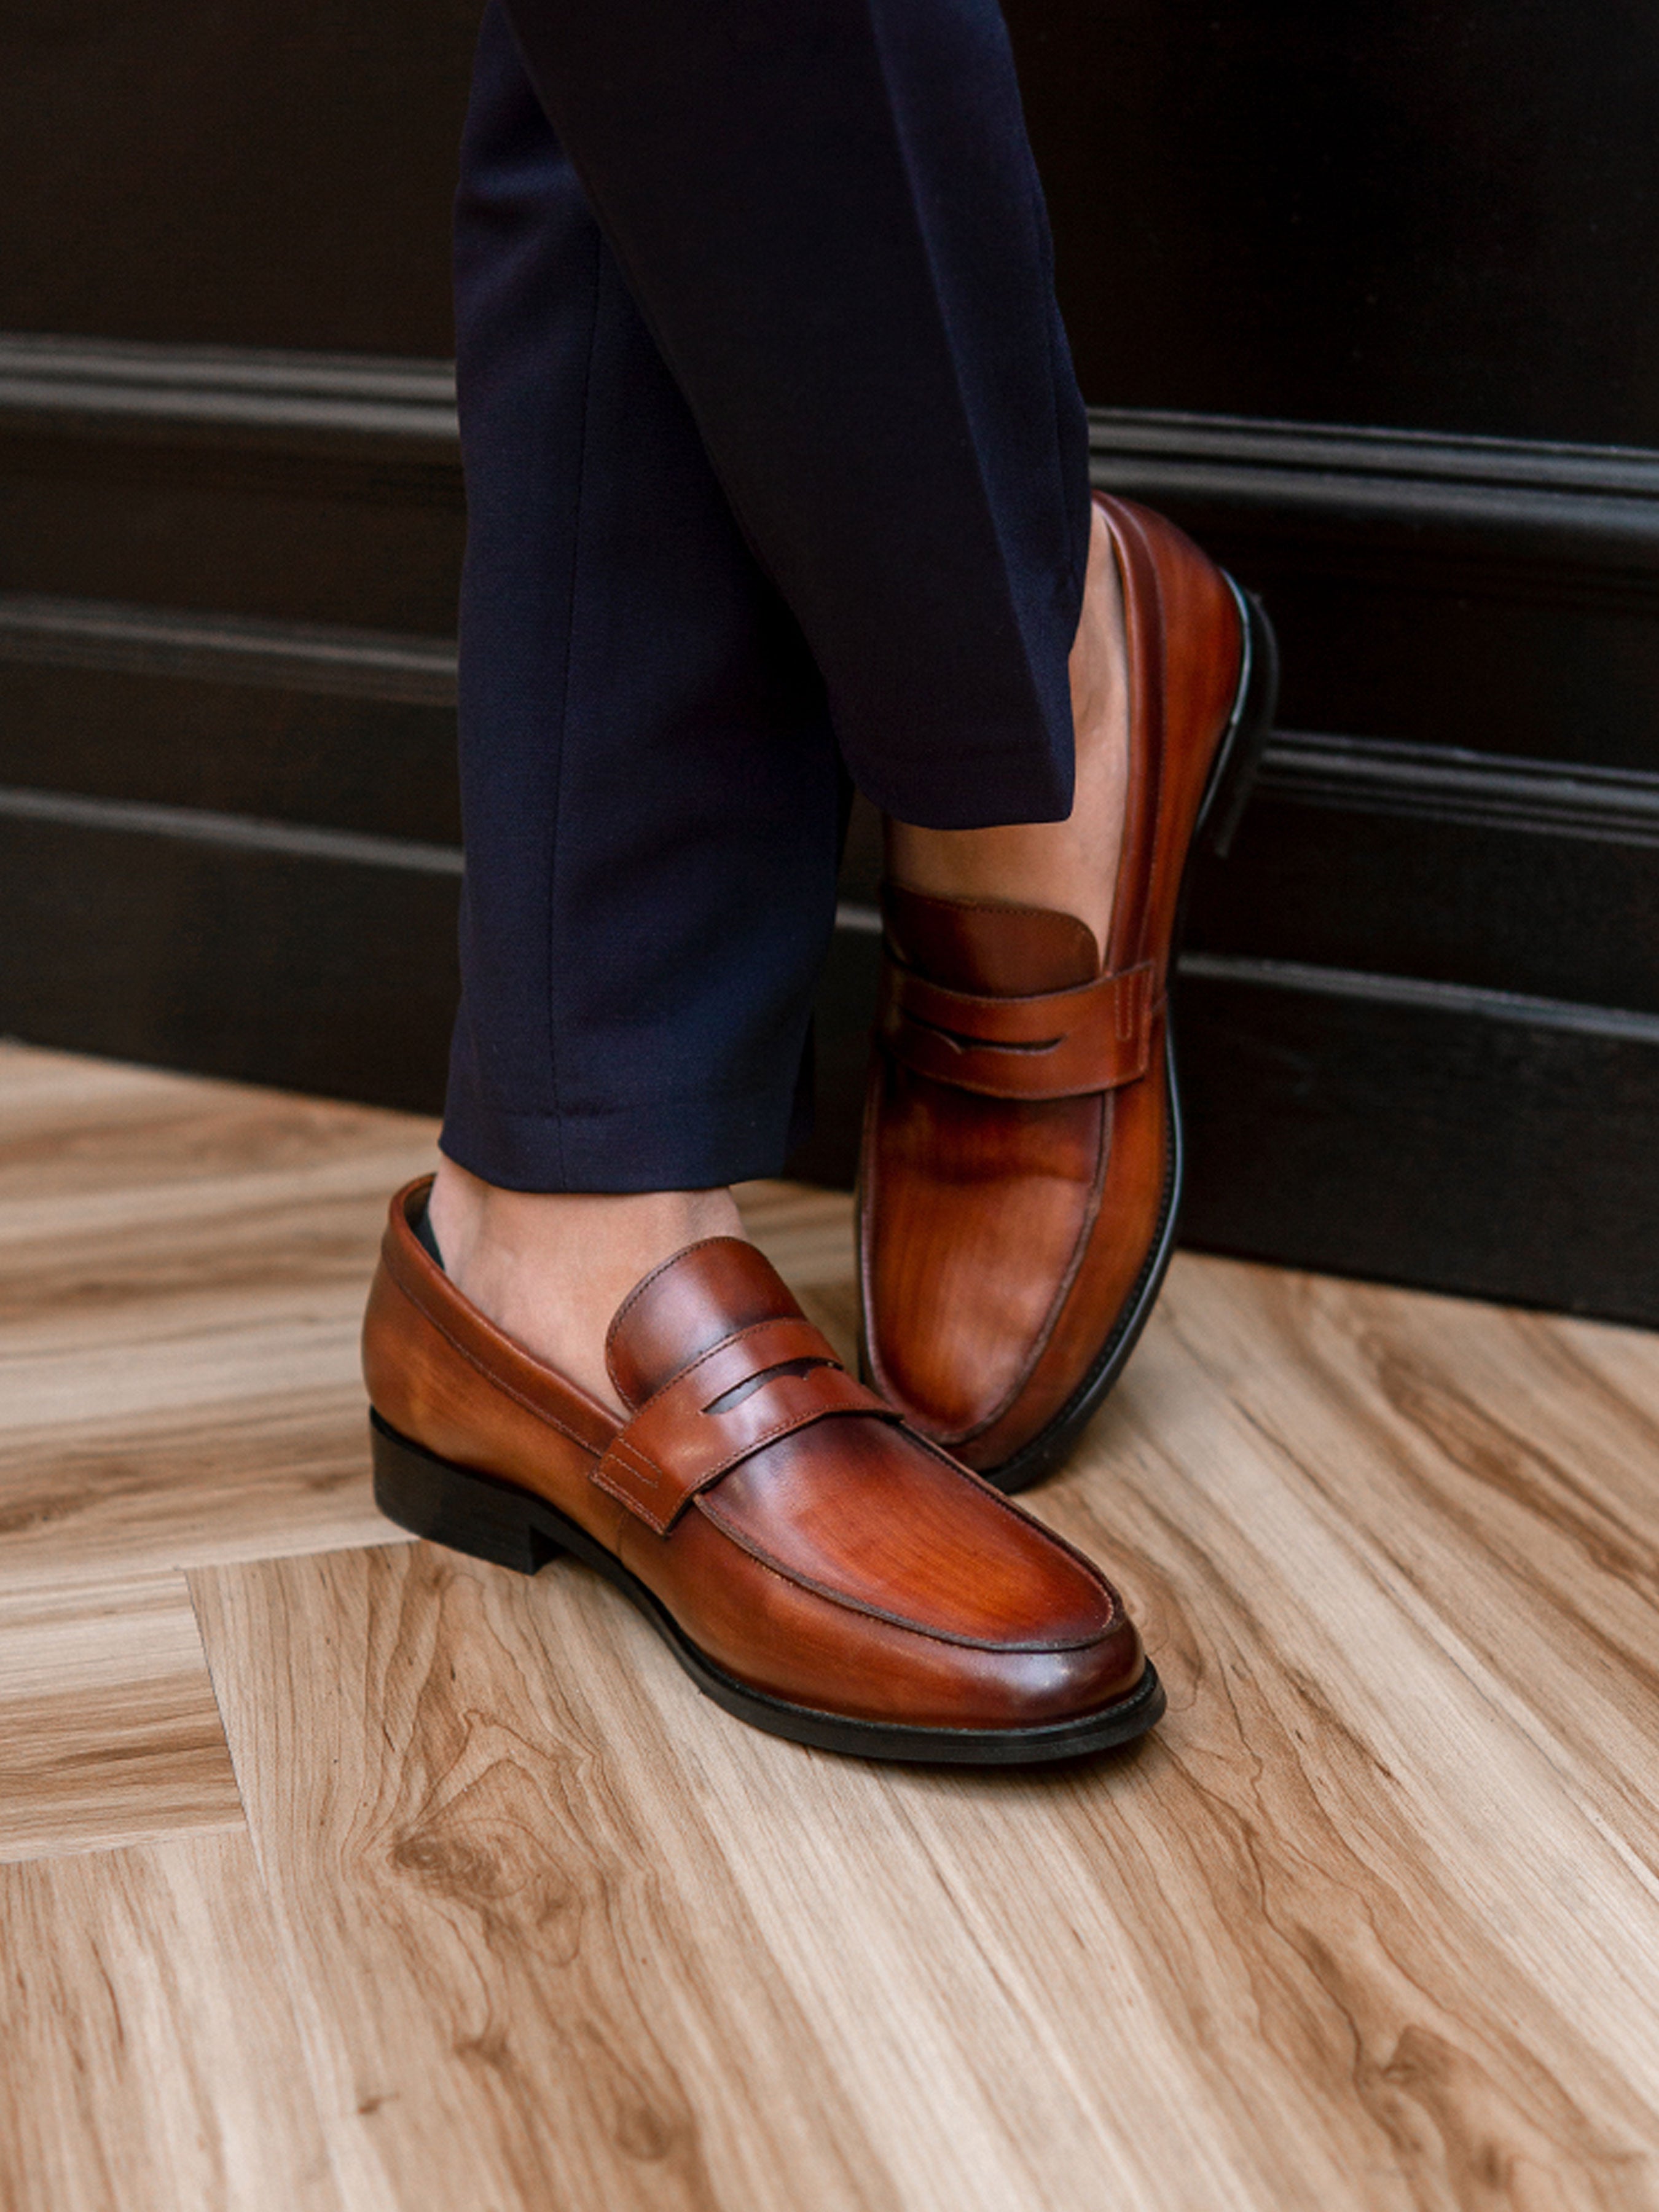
{"x":449,"y":1505}
{"x":1238,"y":758}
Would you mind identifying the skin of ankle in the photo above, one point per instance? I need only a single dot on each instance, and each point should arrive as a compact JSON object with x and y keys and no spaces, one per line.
{"x":551,"y":1268}
{"x":1070,"y":866}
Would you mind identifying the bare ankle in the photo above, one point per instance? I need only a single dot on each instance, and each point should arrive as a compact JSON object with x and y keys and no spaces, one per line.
{"x":1071,"y":865}
{"x":551,"y":1268}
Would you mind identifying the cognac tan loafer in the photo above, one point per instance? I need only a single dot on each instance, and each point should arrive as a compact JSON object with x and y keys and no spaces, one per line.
{"x":815,"y":1567}
{"x":1021,"y":1166}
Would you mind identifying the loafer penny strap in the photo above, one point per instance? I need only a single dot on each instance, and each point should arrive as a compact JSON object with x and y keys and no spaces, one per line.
{"x":685,"y":1437}
{"x":1056,"y":1044}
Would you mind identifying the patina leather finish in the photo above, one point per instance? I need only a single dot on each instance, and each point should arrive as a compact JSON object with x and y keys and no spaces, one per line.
{"x":806,"y":1541}
{"x":1016,"y":1175}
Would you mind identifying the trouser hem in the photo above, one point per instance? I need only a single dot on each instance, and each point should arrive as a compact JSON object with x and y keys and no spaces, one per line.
{"x":670,"y":1144}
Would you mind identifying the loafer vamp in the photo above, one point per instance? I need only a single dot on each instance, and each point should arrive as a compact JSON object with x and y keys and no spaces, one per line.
{"x":976,"y":1214}
{"x":771,"y":1630}
{"x":860,"y":1512}
{"x":1052,"y":1275}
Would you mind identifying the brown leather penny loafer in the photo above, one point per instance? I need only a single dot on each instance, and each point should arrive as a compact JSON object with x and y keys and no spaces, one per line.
{"x":816,"y":1568}
{"x":1021,"y":1167}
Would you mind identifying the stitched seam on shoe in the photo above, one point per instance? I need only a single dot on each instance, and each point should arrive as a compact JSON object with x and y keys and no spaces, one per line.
{"x":496,"y":1382}
{"x":737,"y":1337}
{"x":644,"y":1285}
{"x":851,"y":1604}
{"x":705,"y":1481}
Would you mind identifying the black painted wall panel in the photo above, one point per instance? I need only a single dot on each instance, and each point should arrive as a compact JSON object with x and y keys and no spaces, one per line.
{"x":248,"y":174}
{"x":1431,"y":214}
{"x":1424,"y":214}
{"x":1553,"y":915}
{"x":1458,"y":640}
{"x":174,"y":522}
{"x":370,"y":765}
{"x":1517,"y":1161}
{"x":317,"y":975}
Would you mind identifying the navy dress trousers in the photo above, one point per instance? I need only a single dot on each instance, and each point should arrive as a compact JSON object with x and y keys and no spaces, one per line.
{"x":776,"y":476}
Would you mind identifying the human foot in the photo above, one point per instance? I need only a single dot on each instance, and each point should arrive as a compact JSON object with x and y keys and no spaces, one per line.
{"x":1021,"y":1165}
{"x":550,"y":1268}
{"x":1070,"y":866}
{"x":815,"y":1568}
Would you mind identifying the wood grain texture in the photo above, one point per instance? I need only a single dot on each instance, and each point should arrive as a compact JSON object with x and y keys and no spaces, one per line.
{"x":518,"y":1987}
{"x":108,"y":1729}
{"x":183,"y":1264}
{"x":150,"y":2061}
{"x":1371,"y":1924}
{"x":182,"y":1267}
{"x":1336,"y":1937}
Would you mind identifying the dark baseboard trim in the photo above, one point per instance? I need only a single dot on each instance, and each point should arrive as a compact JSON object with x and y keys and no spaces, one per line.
{"x":1346,"y":1109}
{"x":96,"y":386}
{"x":1487,"y":791}
{"x":245,"y":833}
{"x":1423,"y":994}
{"x":1309,"y":473}
{"x":1461,"y":1139}
{"x":1321,"y":472}
{"x":227,"y":648}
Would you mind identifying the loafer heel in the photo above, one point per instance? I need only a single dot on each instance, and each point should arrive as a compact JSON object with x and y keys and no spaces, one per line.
{"x":449,"y":1505}
{"x":1238,"y":760}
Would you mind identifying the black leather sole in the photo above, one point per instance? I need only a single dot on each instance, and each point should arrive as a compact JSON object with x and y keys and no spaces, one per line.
{"x":1233,"y":774}
{"x":494,"y":1519}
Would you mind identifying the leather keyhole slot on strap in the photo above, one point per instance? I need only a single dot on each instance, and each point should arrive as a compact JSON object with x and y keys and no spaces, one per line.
{"x":1052,"y":1044}
{"x":746,"y":1388}
{"x":744,"y":1395}
{"x":958,"y":1043}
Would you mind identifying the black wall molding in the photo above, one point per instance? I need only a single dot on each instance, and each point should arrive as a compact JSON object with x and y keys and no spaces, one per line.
{"x":301,"y":841}
{"x":227,"y":648}
{"x":1423,"y":994}
{"x":1358,"y":775}
{"x":91,"y":386}
{"x":854,"y":919}
{"x":1486,"y":791}
{"x":1320,"y":471}
{"x":1420,"y":1020}
{"x":246,"y":833}
{"x":1605,"y":495}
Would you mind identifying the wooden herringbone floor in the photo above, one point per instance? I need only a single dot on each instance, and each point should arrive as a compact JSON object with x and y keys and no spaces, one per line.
{"x":343,"y":1873}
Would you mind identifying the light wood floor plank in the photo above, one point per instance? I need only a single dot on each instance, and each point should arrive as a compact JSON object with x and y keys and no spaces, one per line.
{"x":277,"y":1472}
{"x":149,"y":2060}
{"x":1246,"y":1956}
{"x":1370,"y":1924}
{"x":182,"y":1273}
{"x":1239,"y":1967}
{"x":1509,"y":1497}
{"x":183,"y":1266}
{"x":515,"y":1993}
{"x":108,"y":1728}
